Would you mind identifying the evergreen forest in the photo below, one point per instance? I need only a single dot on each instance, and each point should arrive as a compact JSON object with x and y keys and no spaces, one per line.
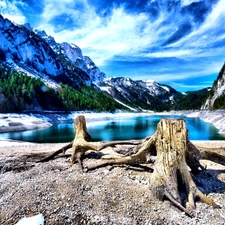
{"x":19,"y":92}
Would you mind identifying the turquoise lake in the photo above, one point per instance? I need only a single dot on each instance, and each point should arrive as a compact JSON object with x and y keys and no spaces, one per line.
{"x":124,"y":128}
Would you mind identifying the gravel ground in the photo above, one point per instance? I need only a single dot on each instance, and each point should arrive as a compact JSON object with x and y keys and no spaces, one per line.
{"x":110,"y":195}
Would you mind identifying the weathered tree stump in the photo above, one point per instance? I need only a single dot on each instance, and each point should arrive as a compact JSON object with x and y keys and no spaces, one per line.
{"x":175,"y":155}
{"x":171,"y":165}
{"x":80,"y":145}
{"x":170,"y":150}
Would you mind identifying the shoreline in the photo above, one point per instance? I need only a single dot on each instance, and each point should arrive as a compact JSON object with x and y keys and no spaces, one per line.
{"x":10,"y":143}
{"x":10,"y":122}
{"x":215,"y":117}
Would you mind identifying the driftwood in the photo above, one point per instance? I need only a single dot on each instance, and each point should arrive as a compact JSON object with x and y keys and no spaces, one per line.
{"x":170,"y":150}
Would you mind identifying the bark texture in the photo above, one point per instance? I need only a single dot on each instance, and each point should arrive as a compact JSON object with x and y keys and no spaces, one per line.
{"x":174,"y":154}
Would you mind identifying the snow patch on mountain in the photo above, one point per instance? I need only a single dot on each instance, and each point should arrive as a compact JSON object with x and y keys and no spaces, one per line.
{"x":131,"y":108}
{"x":166,"y":88}
{"x":74,"y":55}
{"x":138,"y":94}
{"x":34,"y":74}
{"x":218,"y":89}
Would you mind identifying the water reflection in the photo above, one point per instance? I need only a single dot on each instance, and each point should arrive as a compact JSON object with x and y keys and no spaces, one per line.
{"x":118,"y":129}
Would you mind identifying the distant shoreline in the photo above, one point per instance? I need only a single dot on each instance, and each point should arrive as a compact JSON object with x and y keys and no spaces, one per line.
{"x":10,"y":122}
{"x":215,"y":117}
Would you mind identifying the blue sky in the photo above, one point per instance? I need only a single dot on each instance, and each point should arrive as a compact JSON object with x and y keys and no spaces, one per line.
{"x":176,"y":42}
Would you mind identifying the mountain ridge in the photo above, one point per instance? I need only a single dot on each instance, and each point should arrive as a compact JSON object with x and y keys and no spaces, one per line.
{"x":62,"y":66}
{"x":38,"y":51}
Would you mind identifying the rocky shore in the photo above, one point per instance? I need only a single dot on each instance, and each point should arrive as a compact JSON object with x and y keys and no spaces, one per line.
{"x":217,"y":118}
{"x":10,"y":122}
{"x":109,"y":195}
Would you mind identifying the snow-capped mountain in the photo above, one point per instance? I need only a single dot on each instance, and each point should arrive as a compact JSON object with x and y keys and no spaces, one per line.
{"x":216,"y":99}
{"x":39,"y":54}
{"x":139,"y":94}
{"x":73,"y":54}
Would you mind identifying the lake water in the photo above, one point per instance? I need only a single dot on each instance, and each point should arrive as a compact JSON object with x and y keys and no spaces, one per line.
{"x":124,"y":128}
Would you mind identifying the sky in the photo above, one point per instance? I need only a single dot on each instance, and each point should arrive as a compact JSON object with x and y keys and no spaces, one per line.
{"x":180,"y":43}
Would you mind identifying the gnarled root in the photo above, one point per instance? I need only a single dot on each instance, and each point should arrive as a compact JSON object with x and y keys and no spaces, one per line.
{"x":144,"y":152}
{"x":61,"y":150}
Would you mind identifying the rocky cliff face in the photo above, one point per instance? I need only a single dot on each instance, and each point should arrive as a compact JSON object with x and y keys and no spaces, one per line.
{"x":22,"y":45}
{"x":217,"y":94}
{"x":39,"y":55}
{"x":73,"y":55}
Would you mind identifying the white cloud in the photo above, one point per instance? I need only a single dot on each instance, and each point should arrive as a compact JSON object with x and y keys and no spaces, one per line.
{"x":183,"y":53}
{"x":207,"y":33}
{"x":187,"y":53}
{"x":178,"y":74}
{"x":10,"y":11}
{"x":187,"y":87}
{"x":119,"y":34}
{"x":55,"y":8}
{"x":216,"y":16}
{"x":188,"y":2}
{"x":102,"y":38}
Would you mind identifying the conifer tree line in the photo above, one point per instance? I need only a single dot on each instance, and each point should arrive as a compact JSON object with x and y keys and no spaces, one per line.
{"x":19,"y":92}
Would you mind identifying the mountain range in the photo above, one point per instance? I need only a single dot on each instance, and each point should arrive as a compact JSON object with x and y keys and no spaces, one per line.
{"x":31,"y":60}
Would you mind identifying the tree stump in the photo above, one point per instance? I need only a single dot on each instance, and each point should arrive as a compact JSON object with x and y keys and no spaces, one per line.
{"x":170,"y":166}
{"x":80,"y":145}
{"x":175,"y":156}
{"x":170,"y":150}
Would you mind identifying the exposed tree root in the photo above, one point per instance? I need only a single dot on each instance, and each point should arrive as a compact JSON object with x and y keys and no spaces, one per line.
{"x":176,"y":203}
{"x":170,"y":150}
{"x":61,"y":150}
{"x":80,"y":145}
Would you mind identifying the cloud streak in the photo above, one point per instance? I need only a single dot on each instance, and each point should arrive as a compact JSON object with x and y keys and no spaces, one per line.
{"x":11,"y":11}
{"x":172,"y":41}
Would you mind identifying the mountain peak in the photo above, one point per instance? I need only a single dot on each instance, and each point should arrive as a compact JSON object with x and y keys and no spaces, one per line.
{"x":28,"y":26}
{"x":35,"y":51}
{"x":72,"y":51}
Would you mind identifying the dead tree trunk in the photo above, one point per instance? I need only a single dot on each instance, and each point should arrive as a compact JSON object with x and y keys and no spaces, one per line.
{"x":171,"y":164}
